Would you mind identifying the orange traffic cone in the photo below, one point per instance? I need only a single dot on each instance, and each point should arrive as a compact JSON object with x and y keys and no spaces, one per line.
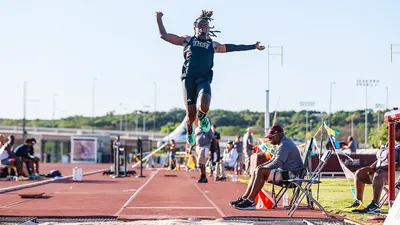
{"x":263,"y":200}
{"x":179,"y":167}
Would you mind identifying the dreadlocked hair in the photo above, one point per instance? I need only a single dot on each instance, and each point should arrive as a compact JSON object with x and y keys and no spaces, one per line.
{"x":206,"y":15}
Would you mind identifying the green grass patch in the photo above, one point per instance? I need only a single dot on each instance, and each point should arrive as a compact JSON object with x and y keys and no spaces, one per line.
{"x":335,"y":194}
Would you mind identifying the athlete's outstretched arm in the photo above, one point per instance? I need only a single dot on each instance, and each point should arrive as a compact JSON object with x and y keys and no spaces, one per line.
{"x":171,"y":38}
{"x":222,"y":48}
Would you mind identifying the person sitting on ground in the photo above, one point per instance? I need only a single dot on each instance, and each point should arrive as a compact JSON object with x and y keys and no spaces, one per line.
{"x":203,"y":142}
{"x":352,"y":144}
{"x":287,"y":157}
{"x":35,"y":159}
{"x":228,"y":160}
{"x":377,"y":175}
{"x":8,"y":158}
{"x":171,"y":147}
{"x":22,"y":151}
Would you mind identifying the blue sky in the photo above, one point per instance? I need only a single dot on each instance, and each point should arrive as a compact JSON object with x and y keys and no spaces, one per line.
{"x":59,"y":47}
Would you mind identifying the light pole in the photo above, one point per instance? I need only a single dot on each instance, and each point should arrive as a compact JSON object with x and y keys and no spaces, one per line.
{"x":54,"y":111}
{"x":155,"y":106}
{"x":137,"y":120}
{"x":392,"y":52}
{"x":387,"y":97}
{"x":266,"y":122}
{"x":311,"y":121}
{"x":93,"y":102}
{"x":33,"y":101}
{"x":330,"y":103}
{"x":352,"y":125}
{"x":366,"y":84}
{"x":307,"y":104}
{"x":24,"y":133}
{"x":144,"y":117}
{"x":379,"y":106}
{"x":123,"y":110}
{"x":120,"y":117}
{"x":53,"y":150}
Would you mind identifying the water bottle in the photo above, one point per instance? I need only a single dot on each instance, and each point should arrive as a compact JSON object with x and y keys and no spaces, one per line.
{"x":285,"y":202}
{"x":234,"y":178}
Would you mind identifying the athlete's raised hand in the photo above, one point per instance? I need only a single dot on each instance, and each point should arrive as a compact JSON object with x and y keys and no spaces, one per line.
{"x":158,"y":14}
{"x":259,"y":47}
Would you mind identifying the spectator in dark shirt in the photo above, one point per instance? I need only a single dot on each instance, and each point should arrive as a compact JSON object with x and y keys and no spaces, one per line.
{"x":22,"y":151}
{"x":36,"y":160}
{"x":215,"y":151}
{"x":287,"y":157}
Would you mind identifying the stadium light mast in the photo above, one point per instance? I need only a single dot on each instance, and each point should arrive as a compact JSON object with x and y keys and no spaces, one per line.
{"x":378,"y":107}
{"x":366,"y":84}
{"x":307,"y":104}
{"x":266,"y":122}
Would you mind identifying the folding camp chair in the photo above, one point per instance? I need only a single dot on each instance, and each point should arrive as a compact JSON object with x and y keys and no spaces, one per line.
{"x":385,"y":196}
{"x":306,"y":190}
{"x":285,"y":175}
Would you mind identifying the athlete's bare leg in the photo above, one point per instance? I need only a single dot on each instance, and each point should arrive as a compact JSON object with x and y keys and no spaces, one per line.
{"x":190,"y":117}
{"x":204,"y":102}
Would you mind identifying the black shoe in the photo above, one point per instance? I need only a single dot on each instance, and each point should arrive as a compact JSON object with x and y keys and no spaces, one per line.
{"x":239,"y":200}
{"x":355,"y":204}
{"x":246,"y":205}
{"x":371,"y":208}
{"x":202,"y":180}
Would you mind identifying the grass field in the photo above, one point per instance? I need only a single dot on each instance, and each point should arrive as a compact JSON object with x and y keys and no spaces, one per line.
{"x":335,"y":194}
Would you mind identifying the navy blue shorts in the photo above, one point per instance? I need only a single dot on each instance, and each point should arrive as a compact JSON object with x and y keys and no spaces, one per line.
{"x":192,"y":87}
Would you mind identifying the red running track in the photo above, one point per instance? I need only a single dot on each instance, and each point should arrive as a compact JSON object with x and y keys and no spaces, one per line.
{"x":162,"y":194}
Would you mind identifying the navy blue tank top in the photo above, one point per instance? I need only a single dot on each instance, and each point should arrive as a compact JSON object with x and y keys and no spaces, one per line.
{"x":199,"y":58}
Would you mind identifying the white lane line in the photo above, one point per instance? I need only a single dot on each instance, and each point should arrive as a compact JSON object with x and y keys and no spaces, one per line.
{"x":209,"y":200}
{"x":34,"y":184}
{"x":15,"y":203}
{"x":166,"y":207}
{"x":134,"y":194}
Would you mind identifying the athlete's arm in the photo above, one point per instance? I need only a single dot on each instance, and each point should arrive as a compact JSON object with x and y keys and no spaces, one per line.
{"x":222,"y":48}
{"x":171,"y":38}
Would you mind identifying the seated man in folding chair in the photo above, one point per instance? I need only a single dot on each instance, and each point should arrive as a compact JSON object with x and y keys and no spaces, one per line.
{"x":228,"y":161}
{"x":287,"y":157}
{"x":377,"y":175}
